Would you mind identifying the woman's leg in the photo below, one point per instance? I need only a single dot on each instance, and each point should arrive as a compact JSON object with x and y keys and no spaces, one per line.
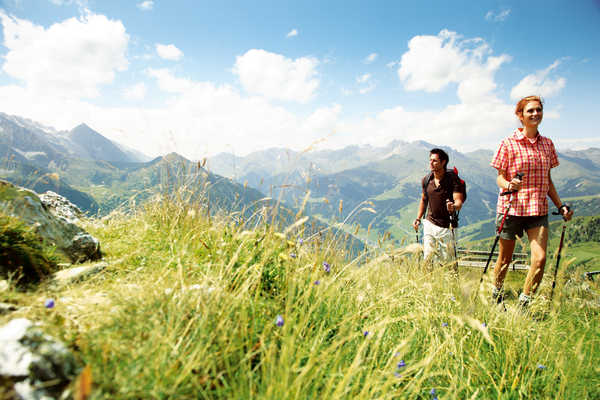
{"x":538,"y":240}
{"x":505,"y":252}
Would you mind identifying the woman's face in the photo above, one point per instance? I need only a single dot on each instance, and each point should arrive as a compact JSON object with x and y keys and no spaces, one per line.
{"x":532,"y":114}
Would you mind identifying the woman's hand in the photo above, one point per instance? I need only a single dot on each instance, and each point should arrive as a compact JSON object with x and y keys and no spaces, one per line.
{"x":514,"y":184}
{"x":567,"y":213}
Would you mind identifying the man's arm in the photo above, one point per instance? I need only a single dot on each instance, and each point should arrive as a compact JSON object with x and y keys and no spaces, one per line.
{"x":420,"y":212}
{"x":458,"y":202}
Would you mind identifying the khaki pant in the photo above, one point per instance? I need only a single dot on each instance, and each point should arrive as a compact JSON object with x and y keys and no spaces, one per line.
{"x":437,"y":242}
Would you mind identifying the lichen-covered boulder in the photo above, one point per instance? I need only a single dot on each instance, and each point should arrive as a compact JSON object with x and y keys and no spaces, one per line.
{"x":60,"y":207}
{"x":53,"y":220}
{"x":33,"y":365}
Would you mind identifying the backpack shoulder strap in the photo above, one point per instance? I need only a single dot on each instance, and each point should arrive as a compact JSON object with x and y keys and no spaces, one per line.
{"x":426,"y":179}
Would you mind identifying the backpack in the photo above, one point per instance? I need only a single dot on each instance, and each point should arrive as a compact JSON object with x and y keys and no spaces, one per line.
{"x":462,"y":187}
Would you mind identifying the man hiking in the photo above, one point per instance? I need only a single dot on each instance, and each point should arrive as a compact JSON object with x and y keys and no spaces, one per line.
{"x":443,"y":195}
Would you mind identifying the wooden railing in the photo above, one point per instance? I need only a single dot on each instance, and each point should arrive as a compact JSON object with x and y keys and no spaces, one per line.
{"x":477,"y":259}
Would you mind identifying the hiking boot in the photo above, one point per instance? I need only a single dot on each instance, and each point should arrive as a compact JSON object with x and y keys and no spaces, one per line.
{"x":524,"y":301}
{"x":498,"y":295}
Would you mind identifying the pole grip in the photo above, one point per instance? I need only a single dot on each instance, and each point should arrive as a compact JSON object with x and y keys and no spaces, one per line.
{"x":507,"y":192}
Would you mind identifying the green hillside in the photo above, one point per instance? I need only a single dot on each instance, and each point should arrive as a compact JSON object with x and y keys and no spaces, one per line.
{"x":198,"y":307}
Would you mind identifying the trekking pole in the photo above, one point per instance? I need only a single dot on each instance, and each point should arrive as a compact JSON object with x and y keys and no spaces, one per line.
{"x":452,"y":223}
{"x":499,"y":231}
{"x":562,"y":238}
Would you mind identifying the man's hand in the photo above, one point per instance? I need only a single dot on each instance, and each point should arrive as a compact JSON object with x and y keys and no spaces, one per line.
{"x":416,"y":224}
{"x":450,"y":206}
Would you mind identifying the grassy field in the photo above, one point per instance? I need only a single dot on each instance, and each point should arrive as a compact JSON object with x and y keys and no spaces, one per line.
{"x":197,"y":308}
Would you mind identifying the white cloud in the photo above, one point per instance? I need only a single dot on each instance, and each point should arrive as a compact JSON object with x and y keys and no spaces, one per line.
{"x":462,"y":126}
{"x":71,"y":58}
{"x":168,"y":52}
{"x":367,"y":89}
{"x":146,"y":5}
{"x":497,"y":17}
{"x":277,"y":77}
{"x":135,"y":92}
{"x":292,"y":33}
{"x":539,"y":83}
{"x":198,"y":118}
{"x":363,"y":78}
{"x":168,"y":82}
{"x":370,"y":58}
{"x":434,"y":62}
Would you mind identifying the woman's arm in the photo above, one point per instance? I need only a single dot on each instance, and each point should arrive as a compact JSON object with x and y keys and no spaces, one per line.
{"x":553,"y":194}
{"x":505,"y":184}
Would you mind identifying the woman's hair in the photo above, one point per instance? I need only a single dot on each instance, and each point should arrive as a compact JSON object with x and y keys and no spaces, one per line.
{"x":521,"y":104}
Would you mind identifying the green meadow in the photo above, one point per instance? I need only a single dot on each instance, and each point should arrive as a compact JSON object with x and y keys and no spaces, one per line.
{"x":222,"y":307}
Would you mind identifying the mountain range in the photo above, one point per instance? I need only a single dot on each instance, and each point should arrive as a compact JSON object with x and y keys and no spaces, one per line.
{"x":387,"y":180}
{"x":365,"y":190}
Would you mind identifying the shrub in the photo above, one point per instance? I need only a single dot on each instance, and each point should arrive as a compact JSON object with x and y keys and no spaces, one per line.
{"x":22,"y":252}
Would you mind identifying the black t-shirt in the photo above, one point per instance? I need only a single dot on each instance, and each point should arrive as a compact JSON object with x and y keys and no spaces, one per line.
{"x":437,"y":212}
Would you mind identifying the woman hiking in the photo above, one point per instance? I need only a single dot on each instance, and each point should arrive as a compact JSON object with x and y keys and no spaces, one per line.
{"x":526,"y":151}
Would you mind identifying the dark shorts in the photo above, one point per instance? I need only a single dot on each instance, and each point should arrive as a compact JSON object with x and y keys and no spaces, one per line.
{"x":514,"y":226}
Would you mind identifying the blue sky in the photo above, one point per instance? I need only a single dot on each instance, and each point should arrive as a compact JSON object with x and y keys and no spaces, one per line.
{"x":203,"y":77}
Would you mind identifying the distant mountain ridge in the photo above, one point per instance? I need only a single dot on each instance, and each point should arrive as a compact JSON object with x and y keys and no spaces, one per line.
{"x":38,"y":144}
{"x":388,"y":178}
{"x":92,"y":145}
{"x":99,"y":175}
{"x":342,"y":183}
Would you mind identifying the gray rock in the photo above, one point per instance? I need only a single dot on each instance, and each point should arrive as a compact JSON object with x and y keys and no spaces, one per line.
{"x":76,"y":274}
{"x":6,"y":308}
{"x":60,"y":207}
{"x":33,"y":364}
{"x":83,"y":246}
{"x":53,"y":222}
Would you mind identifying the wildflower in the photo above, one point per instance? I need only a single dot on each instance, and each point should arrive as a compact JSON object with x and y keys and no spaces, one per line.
{"x":453,"y":298}
{"x":293,"y":255}
{"x":317,"y":282}
{"x":279,"y":321}
{"x":484,"y":325}
{"x":365,"y":333}
{"x":432,"y":393}
{"x":326,"y":266}
{"x":540,"y":366}
{"x":401,"y":364}
{"x":49,"y":303}
{"x":300,"y":241}
{"x":444,"y":324}
{"x":397,"y":374}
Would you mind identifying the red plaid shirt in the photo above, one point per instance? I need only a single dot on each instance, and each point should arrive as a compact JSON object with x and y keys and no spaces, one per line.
{"x":517,"y":154}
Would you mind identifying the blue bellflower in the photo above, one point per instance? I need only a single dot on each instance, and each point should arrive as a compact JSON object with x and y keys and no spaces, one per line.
{"x":279,"y":320}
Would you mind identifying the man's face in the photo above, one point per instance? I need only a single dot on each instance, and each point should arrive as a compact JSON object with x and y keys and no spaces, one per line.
{"x":435,"y":164}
